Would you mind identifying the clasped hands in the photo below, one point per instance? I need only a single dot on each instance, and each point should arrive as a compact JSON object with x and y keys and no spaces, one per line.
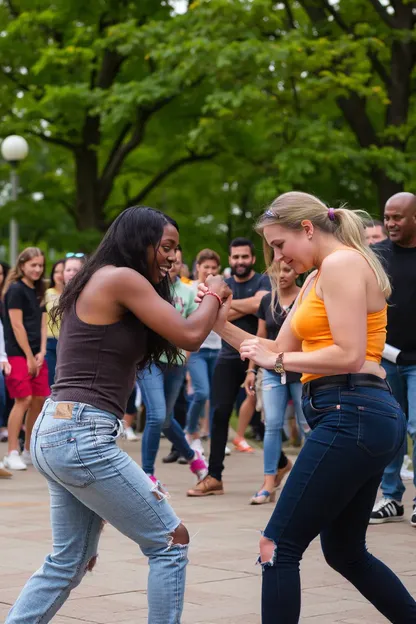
{"x":251,"y":348}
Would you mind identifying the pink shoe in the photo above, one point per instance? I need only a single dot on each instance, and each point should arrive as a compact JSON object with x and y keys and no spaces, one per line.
{"x":153,"y":478}
{"x":198,"y":466}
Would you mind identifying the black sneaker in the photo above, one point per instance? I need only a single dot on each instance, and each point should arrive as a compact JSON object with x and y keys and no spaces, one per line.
{"x":387,"y":510}
{"x":171,"y":458}
{"x":413,"y":518}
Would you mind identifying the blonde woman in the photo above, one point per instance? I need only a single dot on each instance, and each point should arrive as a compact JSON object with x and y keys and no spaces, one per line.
{"x":25,"y":332}
{"x":334,"y":335}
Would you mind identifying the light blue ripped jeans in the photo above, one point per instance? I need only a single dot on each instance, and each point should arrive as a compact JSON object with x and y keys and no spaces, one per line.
{"x":91,"y":479}
{"x":275,"y":399}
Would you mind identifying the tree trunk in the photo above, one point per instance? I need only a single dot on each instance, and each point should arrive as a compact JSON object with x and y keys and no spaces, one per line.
{"x":386,"y":187}
{"x":88,"y":210}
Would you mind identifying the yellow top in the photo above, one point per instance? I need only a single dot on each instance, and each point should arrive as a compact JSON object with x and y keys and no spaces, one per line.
{"x":310,"y":324}
{"x":51,"y":299}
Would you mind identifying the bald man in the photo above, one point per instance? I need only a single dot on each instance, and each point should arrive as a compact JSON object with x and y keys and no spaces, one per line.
{"x":398,"y":254}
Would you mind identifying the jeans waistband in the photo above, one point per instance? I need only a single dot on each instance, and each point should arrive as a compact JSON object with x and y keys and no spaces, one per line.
{"x":350,"y":381}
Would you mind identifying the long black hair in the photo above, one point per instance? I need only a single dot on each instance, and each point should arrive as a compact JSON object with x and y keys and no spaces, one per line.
{"x":126,"y":244}
{"x":52,"y":279}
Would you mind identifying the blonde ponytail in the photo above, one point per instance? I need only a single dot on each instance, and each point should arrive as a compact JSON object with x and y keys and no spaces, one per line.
{"x":290,"y":209}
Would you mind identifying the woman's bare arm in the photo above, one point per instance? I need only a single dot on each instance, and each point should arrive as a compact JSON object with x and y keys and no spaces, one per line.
{"x":134,"y":292}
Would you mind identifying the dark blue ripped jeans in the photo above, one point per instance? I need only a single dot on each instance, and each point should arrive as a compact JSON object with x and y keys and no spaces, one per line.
{"x":330,"y":492}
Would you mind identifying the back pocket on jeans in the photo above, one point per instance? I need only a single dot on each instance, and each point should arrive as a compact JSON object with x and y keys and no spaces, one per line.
{"x":63,"y":460}
{"x":378,"y":431}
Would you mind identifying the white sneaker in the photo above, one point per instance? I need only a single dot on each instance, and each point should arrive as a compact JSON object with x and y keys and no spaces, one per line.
{"x":227,"y":451}
{"x":26,"y":457}
{"x":130,"y":435}
{"x":13,"y":461}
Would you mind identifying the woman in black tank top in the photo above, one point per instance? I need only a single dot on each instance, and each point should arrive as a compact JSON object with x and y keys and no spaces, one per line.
{"x":116,"y":317}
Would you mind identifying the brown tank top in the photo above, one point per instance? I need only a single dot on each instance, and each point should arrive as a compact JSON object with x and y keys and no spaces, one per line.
{"x":96,"y":364}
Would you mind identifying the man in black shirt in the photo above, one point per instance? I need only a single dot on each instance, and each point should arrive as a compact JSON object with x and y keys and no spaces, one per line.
{"x":398,"y":254}
{"x":248,"y":289}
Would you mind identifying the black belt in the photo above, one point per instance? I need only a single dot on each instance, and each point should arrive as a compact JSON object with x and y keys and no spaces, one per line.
{"x":349,"y":381}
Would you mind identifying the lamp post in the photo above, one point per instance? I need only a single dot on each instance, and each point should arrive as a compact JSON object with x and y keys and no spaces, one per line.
{"x":14,"y":148}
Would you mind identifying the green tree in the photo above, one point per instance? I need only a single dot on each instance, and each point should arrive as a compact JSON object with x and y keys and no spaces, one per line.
{"x":81,"y":78}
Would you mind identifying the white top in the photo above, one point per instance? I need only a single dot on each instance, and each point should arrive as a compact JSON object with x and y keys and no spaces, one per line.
{"x":212,"y":341}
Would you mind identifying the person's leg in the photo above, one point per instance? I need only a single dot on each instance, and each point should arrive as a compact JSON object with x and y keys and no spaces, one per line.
{"x":275,"y":396}
{"x":198,"y":366}
{"x":75,"y":533}
{"x":40,"y":390}
{"x":409,"y":374}
{"x":108,"y":482}
{"x":344,"y":548}
{"x":3,"y":419}
{"x":31,"y":416}
{"x":295,"y":391}
{"x":173,"y":380}
{"x":16,"y":417}
{"x":228,"y":376}
{"x":179,"y":414}
{"x":245,"y":415}
{"x":51,"y":345}
{"x":212,"y":363}
{"x":151,"y":386}
{"x":343,"y":452}
{"x":391,"y":483}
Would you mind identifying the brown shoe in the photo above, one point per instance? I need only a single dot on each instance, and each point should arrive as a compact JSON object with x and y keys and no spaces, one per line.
{"x":282,"y":472}
{"x":207,"y":487}
{"x":4,"y":474}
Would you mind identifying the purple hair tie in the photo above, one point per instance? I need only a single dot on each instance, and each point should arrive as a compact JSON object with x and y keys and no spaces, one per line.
{"x":331,"y":214}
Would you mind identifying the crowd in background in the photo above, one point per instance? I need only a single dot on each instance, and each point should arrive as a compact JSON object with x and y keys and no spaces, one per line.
{"x":192,"y":400}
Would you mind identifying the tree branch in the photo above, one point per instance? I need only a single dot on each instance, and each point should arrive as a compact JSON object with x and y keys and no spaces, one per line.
{"x":289,"y":14}
{"x":117,"y":144}
{"x":337,"y":17}
{"x":382,"y":13}
{"x":14,"y":12}
{"x":120,"y":152}
{"x":356,"y":116}
{"x":159,"y":177}
{"x":54,"y":140}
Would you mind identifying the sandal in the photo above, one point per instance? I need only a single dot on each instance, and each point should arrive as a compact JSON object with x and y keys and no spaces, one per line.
{"x":262,"y":497}
{"x":242,"y":445}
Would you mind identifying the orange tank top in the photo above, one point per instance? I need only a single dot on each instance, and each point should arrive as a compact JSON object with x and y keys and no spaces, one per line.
{"x":310,"y":324}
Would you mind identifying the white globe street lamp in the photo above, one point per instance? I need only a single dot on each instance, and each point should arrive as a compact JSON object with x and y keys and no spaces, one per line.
{"x":14,"y":148}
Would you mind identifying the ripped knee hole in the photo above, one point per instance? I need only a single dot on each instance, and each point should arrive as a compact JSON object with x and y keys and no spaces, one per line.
{"x":180,"y":536}
{"x":267,"y":550}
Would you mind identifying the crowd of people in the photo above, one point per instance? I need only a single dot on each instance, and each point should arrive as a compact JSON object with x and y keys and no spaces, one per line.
{"x":310,"y":333}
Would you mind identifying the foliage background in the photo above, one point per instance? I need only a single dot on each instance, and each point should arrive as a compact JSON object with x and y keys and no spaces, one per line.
{"x":205,"y":109}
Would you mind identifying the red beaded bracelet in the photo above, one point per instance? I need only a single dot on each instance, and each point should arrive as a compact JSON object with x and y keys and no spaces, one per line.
{"x":209,"y":292}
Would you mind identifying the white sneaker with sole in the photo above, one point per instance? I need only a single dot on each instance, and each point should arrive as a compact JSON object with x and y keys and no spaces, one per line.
{"x":227,"y":451}
{"x":13,"y":461}
{"x":130,"y":435}
{"x":26,"y":457}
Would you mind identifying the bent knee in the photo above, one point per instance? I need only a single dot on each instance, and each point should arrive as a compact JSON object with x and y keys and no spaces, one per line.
{"x":24,"y":402}
{"x":180,"y":536}
{"x":267,"y":550}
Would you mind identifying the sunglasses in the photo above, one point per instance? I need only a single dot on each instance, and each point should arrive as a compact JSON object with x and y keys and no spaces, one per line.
{"x":74,"y":255}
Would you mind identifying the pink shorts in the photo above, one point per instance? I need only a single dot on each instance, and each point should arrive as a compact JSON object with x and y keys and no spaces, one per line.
{"x":21,"y":385}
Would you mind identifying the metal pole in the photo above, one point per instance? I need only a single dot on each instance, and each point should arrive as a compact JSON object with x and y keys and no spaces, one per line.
{"x":13,"y":226}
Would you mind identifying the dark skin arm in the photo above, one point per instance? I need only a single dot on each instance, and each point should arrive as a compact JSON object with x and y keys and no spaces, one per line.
{"x":113,"y":290}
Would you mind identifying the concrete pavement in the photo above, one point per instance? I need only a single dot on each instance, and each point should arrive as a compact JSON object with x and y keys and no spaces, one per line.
{"x":223,"y":583}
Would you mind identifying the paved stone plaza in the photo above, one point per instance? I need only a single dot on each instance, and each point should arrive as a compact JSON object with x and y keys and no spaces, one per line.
{"x":223,"y":584}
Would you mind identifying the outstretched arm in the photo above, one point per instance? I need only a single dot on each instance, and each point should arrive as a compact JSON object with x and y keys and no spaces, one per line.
{"x":134,"y":292}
